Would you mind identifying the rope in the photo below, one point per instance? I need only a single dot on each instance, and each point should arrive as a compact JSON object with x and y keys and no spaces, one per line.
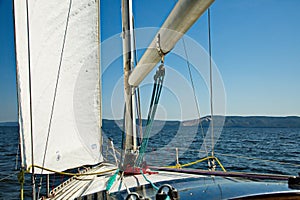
{"x":21,"y":179}
{"x":112,"y":180}
{"x":188,"y":164}
{"x":156,"y":92}
{"x":230,"y":155}
{"x":68,"y":173}
{"x":152,"y":184}
{"x":138,"y":97}
{"x":139,"y":114}
{"x":177,"y":166}
{"x":220,"y":164}
{"x":123,"y":182}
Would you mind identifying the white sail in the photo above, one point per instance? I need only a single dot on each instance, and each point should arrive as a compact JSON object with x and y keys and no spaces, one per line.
{"x":65,"y":82}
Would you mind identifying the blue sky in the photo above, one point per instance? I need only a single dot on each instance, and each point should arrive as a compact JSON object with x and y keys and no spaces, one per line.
{"x":255,"y":45}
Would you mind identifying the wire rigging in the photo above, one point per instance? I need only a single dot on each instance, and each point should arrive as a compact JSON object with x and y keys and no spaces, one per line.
{"x":8,"y":176}
{"x":30,"y":100}
{"x":137,"y":90}
{"x":195,"y":97}
{"x":211,"y":82}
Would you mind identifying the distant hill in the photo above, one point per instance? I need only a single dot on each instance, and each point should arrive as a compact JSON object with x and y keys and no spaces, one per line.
{"x":8,"y":123}
{"x":230,"y":121}
{"x":251,"y":122}
{"x":119,"y":123}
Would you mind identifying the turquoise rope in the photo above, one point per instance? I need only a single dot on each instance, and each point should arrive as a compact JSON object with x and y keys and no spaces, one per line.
{"x":112,"y":180}
{"x":154,"y":186}
{"x":144,"y":143}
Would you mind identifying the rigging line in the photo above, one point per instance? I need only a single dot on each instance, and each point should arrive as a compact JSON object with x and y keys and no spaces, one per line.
{"x":17,"y":155}
{"x":138,"y":110}
{"x":56,"y":86}
{"x":123,"y":139}
{"x":138,"y":96}
{"x":148,"y":126}
{"x":157,"y":88}
{"x":8,"y":176}
{"x":211,"y":84}
{"x":198,"y":161}
{"x":195,"y":97}
{"x":138,"y":100}
{"x":74,"y":174}
{"x":152,"y":184}
{"x":30,"y":100}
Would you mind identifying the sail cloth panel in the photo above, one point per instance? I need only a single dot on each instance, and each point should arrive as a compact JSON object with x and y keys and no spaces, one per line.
{"x":75,"y":129}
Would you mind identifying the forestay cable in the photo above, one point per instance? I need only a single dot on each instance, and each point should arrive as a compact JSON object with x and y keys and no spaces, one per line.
{"x":211,"y":163}
{"x":30,"y":100}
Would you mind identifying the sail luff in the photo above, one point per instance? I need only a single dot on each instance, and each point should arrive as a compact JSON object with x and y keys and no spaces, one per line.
{"x":181,"y":18}
{"x":20,"y":16}
{"x":99,"y":75}
{"x":18,"y":91}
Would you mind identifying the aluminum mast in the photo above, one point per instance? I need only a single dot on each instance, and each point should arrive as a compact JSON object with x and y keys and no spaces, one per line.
{"x":130,"y":146}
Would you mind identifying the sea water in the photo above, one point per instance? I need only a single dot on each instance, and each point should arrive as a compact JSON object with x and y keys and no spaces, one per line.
{"x":258,"y":150}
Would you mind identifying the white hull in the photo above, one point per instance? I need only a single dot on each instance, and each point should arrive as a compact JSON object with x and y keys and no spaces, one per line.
{"x":189,"y":186}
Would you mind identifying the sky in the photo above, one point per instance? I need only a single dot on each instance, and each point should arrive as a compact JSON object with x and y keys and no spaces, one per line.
{"x":255,"y":49}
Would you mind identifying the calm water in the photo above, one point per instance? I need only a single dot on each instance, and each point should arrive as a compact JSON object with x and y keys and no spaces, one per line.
{"x":234,"y":148}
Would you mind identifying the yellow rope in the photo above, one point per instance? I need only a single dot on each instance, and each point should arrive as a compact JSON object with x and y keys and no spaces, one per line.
{"x":21,"y":179}
{"x":197,"y":161}
{"x":220,"y":164}
{"x":178,"y":166}
{"x":70,"y":174}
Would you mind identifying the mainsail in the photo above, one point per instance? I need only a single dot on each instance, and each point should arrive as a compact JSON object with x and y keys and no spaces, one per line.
{"x":58,"y":73}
